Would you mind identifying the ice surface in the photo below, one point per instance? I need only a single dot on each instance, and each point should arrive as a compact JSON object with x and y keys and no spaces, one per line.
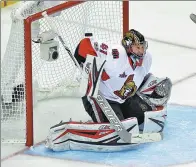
{"x":177,"y":147}
{"x":168,"y":21}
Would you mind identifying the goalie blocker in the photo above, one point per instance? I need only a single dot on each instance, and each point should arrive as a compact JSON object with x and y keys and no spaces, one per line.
{"x":150,"y":102}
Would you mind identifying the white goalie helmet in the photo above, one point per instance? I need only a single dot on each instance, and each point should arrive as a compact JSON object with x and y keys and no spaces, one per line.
{"x":155,"y":91}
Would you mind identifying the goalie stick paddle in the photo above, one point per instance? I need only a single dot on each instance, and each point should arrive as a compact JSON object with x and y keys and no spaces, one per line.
{"x":113,"y":119}
{"x":94,"y":92}
{"x":193,"y":17}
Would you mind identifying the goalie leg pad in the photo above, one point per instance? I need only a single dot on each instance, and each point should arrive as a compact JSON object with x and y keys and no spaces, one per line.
{"x":96,"y":137}
{"x":155,"y":120}
{"x":89,"y":136}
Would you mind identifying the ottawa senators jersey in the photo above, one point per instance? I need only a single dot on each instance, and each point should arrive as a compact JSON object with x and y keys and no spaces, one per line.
{"x":119,"y":79}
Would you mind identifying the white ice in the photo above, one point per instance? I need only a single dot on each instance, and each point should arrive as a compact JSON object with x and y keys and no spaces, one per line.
{"x":166,"y":21}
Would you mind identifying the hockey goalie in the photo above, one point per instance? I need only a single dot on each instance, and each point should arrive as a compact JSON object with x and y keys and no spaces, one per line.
{"x":127,"y":104}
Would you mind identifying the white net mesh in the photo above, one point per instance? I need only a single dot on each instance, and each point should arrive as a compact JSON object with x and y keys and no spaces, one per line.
{"x":56,"y":78}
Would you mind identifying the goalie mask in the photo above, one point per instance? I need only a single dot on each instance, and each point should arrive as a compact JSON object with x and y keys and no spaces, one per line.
{"x":135,"y":45}
{"x":155,"y":91}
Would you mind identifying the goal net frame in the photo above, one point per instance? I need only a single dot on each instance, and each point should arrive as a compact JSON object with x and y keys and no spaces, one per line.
{"x":28,"y":57}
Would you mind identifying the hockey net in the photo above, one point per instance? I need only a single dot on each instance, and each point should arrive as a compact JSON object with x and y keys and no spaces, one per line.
{"x":27,"y":78}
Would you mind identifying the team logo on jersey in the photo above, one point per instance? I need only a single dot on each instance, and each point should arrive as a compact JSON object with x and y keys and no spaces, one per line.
{"x":123,"y":75}
{"x":128,"y":89}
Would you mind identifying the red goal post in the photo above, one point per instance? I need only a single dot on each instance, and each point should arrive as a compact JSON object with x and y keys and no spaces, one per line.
{"x":30,"y":53}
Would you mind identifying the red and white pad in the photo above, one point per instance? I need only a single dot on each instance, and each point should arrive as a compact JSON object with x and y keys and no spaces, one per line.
{"x":102,"y":137}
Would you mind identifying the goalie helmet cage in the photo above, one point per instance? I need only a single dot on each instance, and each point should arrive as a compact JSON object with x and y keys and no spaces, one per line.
{"x":22,"y":66}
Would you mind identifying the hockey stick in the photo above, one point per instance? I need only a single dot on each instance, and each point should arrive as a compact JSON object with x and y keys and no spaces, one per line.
{"x":193,"y":17}
{"x":95,"y":77}
{"x":102,"y":102}
{"x":113,"y":119}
